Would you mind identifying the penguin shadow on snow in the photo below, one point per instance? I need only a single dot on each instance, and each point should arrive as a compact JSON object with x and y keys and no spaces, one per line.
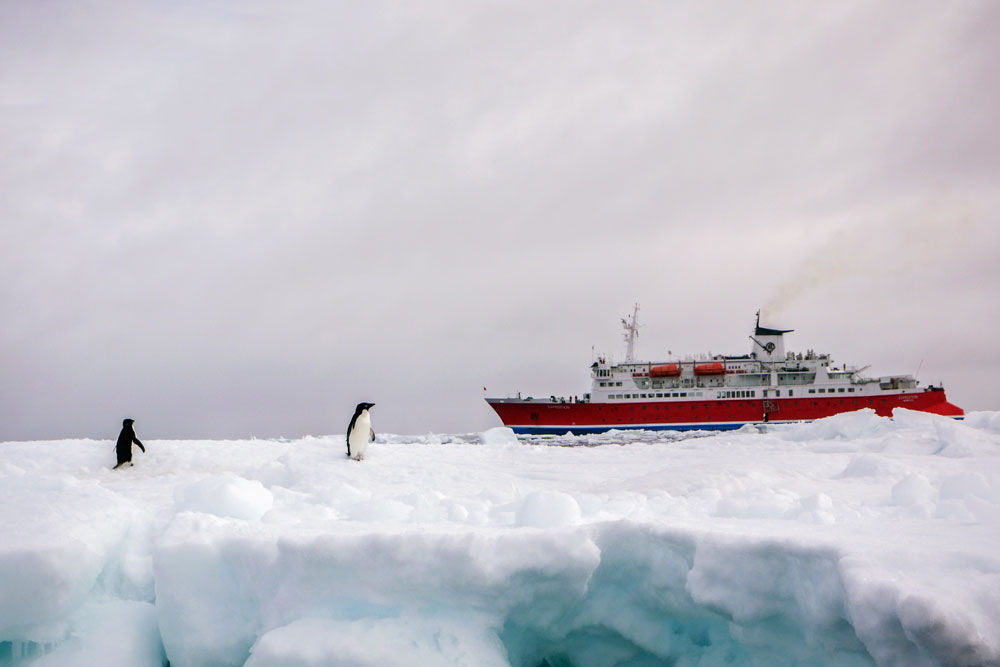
{"x":360,"y":432}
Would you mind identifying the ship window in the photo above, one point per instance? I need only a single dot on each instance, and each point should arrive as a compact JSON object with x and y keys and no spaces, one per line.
{"x":789,"y":392}
{"x":777,"y":392}
{"x":850,"y":389}
{"x":841,"y":390}
{"x":822,"y":391}
{"x":812,"y":391}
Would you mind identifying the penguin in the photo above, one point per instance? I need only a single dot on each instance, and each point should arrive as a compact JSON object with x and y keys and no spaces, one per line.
{"x":124,"y":446}
{"x":360,"y":432}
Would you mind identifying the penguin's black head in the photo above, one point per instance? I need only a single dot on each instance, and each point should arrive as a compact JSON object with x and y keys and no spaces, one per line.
{"x":127,"y":422}
{"x":363,"y":406}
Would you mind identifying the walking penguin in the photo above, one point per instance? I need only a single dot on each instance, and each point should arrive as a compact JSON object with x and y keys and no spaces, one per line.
{"x":360,"y":432}
{"x":124,"y":446}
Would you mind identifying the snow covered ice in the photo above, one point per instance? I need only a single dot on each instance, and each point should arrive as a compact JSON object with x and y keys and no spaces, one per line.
{"x":852,"y":540}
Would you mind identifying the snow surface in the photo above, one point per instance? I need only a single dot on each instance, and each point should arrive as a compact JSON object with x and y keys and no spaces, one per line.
{"x":852,"y":540}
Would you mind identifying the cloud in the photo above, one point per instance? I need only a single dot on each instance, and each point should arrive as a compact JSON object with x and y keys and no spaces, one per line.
{"x":240,"y":219}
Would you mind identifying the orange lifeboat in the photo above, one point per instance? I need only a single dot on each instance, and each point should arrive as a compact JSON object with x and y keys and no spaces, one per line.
{"x":714,"y":368}
{"x":666,"y":371}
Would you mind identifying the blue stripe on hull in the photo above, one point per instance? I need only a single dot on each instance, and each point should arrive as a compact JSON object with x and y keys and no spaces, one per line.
{"x":587,"y":430}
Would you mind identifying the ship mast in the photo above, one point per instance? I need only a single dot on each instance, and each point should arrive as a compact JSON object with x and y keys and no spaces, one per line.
{"x":631,"y":327}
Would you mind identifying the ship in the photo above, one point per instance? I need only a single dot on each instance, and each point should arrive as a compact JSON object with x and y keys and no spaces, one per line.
{"x":717,"y":392}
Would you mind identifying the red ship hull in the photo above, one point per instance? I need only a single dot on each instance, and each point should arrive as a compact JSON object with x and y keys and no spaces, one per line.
{"x":538,"y":417}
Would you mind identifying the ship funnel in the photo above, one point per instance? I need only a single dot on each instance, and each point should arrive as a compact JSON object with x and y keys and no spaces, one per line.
{"x":768,"y":344}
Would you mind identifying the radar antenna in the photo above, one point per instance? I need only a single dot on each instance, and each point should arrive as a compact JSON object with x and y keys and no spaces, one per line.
{"x":631,"y":327}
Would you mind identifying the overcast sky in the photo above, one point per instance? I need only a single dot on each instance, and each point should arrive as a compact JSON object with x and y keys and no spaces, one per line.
{"x":232,"y":219}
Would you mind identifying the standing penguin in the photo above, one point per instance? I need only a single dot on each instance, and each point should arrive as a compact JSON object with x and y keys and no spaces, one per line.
{"x":124,"y":446}
{"x":360,"y":432}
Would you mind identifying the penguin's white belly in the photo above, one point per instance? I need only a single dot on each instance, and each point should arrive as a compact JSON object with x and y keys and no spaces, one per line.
{"x":359,"y":437}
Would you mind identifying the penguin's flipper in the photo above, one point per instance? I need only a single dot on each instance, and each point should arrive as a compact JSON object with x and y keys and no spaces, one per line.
{"x":371,"y":435}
